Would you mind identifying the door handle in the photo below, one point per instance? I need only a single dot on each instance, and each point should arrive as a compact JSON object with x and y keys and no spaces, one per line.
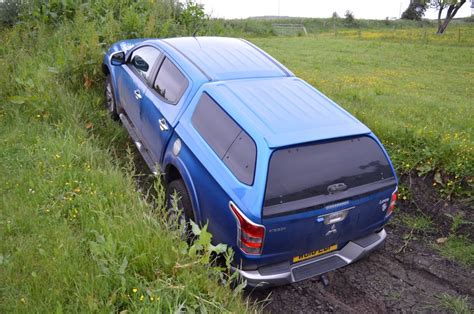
{"x":163,"y":124}
{"x":137,"y":93}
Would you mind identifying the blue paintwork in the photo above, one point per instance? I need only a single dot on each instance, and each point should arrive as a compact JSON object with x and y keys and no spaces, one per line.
{"x":289,"y":110}
{"x":274,"y":107}
{"x":228,"y":58}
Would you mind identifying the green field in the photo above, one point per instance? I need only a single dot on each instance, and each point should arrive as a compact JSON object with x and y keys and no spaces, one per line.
{"x":76,"y":235}
{"x":76,"y":232}
{"x":415,"y":97}
{"x":417,"y":100}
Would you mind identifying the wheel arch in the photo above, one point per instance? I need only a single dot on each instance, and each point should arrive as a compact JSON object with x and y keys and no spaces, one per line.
{"x":176,"y":169}
{"x":105,"y":69}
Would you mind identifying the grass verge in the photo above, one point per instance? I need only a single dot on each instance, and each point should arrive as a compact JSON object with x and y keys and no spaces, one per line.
{"x":459,"y":249}
{"x":76,"y":235}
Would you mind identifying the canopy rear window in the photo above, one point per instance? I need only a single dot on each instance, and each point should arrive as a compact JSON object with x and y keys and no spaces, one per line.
{"x":312,"y":175}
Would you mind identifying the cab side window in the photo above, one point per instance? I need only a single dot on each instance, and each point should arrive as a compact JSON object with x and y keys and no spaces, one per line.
{"x":143,"y":59}
{"x":226,"y":138}
{"x":170,"y":83}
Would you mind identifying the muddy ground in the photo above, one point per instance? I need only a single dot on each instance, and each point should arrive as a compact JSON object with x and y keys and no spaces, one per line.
{"x":406,"y":275}
{"x":402,"y":276}
{"x":389,"y":280}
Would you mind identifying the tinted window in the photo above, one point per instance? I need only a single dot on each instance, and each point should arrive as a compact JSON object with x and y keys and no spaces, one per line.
{"x":324,"y":169}
{"x":143,"y":59}
{"x":240,"y":158}
{"x":170,"y":83}
{"x":235,"y":147}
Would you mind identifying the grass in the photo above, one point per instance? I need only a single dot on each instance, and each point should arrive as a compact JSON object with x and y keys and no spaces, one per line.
{"x":418,"y":223}
{"x":76,"y":234}
{"x":459,"y":35}
{"x":405,"y":30}
{"x":453,"y":304}
{"x":459,"y":249}
{"x":417,"y":98}
{"x":411,"y":92}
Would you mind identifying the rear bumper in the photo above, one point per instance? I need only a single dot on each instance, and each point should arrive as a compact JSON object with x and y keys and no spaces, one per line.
{"x":278,"y":275}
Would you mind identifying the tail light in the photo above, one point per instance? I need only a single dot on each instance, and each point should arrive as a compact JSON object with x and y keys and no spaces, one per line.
{"x":249,"y":235}
{"x":393,"y":202}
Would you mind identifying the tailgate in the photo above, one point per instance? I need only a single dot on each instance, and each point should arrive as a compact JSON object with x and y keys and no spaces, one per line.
{"x":320,"y":196}
{"x":304,"y":235}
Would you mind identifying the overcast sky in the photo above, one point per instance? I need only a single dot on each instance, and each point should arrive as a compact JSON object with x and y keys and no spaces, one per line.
{"x":367,"y":9}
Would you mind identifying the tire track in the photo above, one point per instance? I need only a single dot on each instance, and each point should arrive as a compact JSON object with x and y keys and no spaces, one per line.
{"x":383,"y":282}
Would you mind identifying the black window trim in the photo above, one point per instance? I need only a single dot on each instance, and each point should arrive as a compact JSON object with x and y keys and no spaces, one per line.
{"x":153,"y":69}
{"x":320,"y":201}
{"x":155,"y":75}
{"x":241,"y":130}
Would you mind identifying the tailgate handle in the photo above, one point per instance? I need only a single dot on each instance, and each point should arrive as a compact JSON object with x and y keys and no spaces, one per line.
{"x":336,"y":217}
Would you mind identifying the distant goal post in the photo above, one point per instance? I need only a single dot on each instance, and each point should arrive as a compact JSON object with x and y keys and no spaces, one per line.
{"x":286,"y":29}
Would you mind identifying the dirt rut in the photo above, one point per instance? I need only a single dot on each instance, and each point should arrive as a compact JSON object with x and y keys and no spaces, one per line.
{"x":399,"y":277}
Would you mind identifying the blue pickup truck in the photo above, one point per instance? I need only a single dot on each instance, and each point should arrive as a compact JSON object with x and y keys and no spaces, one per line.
{"x":291,"y":181}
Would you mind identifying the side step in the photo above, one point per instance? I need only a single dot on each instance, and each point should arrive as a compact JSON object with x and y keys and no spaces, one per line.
{"x":141,"y":148}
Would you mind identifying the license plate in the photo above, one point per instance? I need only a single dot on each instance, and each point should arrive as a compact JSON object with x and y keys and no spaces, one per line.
{"x":306,"y":256}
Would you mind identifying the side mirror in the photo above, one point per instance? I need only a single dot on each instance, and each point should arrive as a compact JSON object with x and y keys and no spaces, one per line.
{"x":117,"y":58}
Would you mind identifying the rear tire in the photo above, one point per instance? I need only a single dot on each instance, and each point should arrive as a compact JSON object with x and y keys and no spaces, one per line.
{"x":184,"y":211}
{"x":110,"y":102}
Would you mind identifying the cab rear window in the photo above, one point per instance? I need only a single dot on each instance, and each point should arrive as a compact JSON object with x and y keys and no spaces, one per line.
{"x":312,"y":175}
{"x":226,"y":138}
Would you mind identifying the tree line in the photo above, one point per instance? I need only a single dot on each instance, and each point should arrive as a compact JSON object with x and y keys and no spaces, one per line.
{"x":417,"y":8}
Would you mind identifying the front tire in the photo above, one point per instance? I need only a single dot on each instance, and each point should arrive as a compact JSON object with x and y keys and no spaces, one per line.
{"x":110,"y":102}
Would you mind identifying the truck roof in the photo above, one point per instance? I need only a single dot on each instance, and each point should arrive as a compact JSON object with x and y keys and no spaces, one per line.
{"x":285,"y":110}
{"x":262,"y":95}
{"x":221,"y":58}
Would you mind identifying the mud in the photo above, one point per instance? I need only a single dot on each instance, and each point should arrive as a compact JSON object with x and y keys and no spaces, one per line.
{"x":425,"y":199}
{"x":389,"y":280}
{"x":402,"y":276}
{"x":406,"y":275}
